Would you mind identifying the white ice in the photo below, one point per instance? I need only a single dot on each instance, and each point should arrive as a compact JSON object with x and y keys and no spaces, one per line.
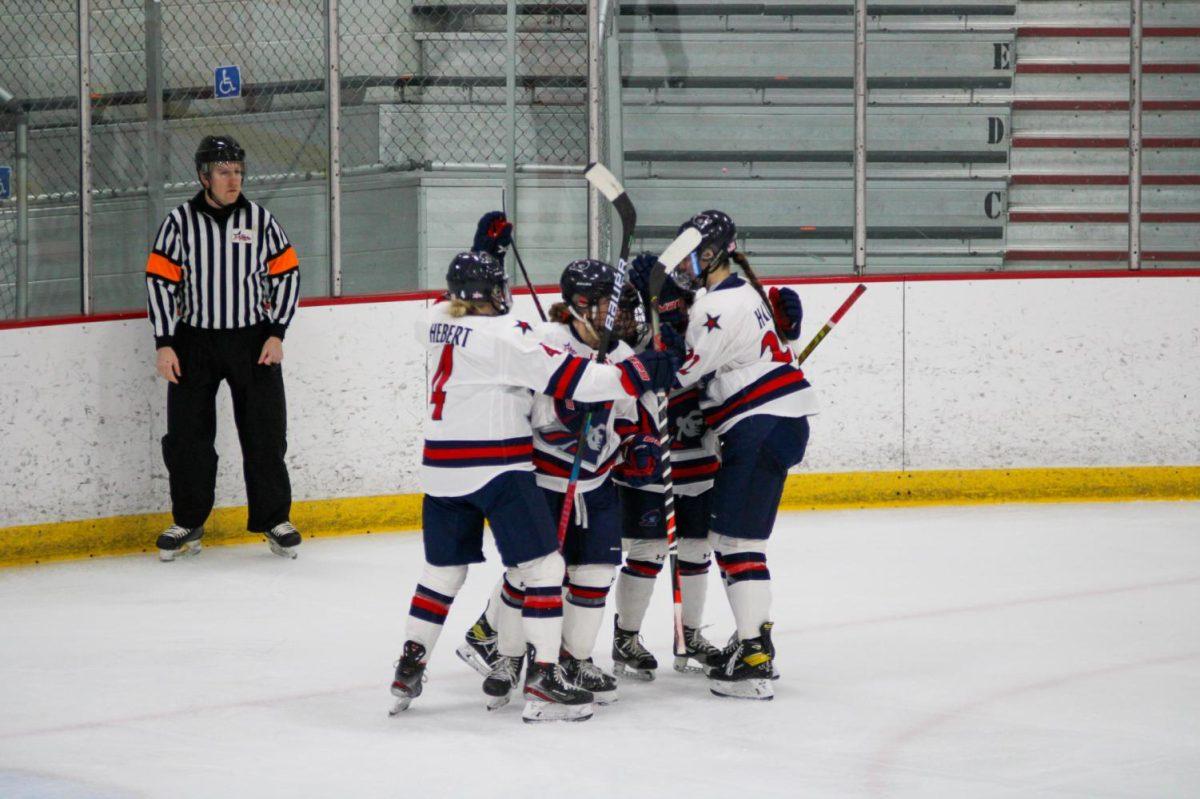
{"x":998,"y":651}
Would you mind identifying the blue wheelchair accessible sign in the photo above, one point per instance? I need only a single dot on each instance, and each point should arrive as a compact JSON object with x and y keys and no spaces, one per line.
{"x":5,"y":182}
{"x":227,"y":82}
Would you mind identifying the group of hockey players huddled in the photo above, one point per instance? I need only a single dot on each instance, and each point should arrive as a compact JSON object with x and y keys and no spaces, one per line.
{"x":515,"y":403}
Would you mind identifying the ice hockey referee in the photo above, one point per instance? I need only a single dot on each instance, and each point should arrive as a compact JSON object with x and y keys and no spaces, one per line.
{"x":223,"y":282}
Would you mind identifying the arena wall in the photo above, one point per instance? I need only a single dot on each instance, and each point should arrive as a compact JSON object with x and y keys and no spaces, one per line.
{"x":933,"y":389}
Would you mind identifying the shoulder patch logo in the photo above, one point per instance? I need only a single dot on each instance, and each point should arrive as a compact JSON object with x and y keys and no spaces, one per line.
{"x":712,"y":322}
{"x":523,"y":326}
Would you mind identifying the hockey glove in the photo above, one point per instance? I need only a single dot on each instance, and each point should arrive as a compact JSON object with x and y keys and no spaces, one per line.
{"x":673,"y":342}
{"x":493,"y":234}
{"x":649,"y":371}
{"x":571,"y":413}
{"x":673,"y":301}
{"x":788,"y":311}
{"x":641,"y":464}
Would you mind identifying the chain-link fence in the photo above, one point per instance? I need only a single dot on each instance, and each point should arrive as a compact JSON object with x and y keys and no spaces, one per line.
{"x":480,"y":90}
{"x":39,"y":145}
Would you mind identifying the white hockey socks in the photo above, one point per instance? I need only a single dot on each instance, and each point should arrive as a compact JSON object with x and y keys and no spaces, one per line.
{"x":431,"y":602}
{"x":693,"y":579}
{"x":509,"y":627}
{"x":743,"y":565}
{"x":493,"y":605}
{"x":643,"y":561}
{"x":587,"y":590}
{"x":542,"y":613}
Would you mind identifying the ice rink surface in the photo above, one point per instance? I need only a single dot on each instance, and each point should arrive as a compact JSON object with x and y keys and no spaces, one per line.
{"x":997,"y":651}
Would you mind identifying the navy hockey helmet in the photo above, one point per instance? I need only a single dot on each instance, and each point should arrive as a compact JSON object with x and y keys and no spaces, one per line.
{"x":586,"y":282}
{"x":218,"y":150}
{"x":479,"y":277}
{"x":718,"y":235}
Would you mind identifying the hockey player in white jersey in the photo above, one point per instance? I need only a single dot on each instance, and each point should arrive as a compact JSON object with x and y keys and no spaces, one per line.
{"x":477,"y":465}
{"x":619,"y":440}
{"x":694,"y":464}
{"x":758,"y":402}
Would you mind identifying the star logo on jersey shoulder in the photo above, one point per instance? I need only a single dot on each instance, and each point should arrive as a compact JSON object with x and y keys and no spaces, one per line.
{"x":523,"y":326}
{"x":712,"y":322}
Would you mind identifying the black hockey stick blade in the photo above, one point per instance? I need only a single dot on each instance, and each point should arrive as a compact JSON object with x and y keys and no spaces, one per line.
{"x":607,"y":184}
{"x":685,"y":243}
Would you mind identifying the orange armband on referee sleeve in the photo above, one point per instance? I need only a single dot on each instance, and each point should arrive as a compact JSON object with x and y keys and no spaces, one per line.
{"x":161,"y":266}
{"x":283,"y":262}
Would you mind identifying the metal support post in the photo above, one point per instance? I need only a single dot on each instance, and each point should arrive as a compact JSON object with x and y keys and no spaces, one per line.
{"x":333,"y":96}
{"x":85,"y":157}
{"x":593,"y":124}
{"x":21,"y":188}
{"x":1135,"y":134}
{"x":155,"y":164}
{"x":510,"y":107}
{"x":616,"y":145}
{"x":860,"y":136}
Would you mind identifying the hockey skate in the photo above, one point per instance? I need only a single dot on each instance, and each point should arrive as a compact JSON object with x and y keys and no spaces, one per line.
{"x":630,"y":657}
{"x":501,"y":680}
{"x":747,"y":672}
{"x":283,"y":539}
{"x":549,"y":697}
{"x":179,"y":541}
{"x":697,"y":652}
{"x":410,"y":674}
{"x":479,"y":650}
{"x":587,"y":675}
{"x":721,"y":656}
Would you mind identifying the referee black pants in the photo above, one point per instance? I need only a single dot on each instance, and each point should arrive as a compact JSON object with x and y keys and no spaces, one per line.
{"x":206,"y":357}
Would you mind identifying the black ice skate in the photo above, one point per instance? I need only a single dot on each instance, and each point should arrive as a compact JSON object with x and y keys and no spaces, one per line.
{"x":479,"y":651}
{"x":283,"y":539}
{"x":747,"y":673}
{"x":630,"y":657}
{"x":500,"y":682}
{"x":179,"y":541}
{"x":697,"y":651}
{"x":410,"y":674}
{"x":587,"y":675}
{"x":721,"y":656}
{"x":549,"y":697}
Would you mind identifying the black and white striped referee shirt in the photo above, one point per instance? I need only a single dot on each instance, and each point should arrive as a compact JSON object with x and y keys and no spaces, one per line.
{"x":220,"y":269}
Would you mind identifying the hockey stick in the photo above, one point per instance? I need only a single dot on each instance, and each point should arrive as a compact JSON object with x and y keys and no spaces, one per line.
{"x":833,"y":320}
{"x":520,"y":262}
{"x":599,"y":176}
{"x":676,"y":251}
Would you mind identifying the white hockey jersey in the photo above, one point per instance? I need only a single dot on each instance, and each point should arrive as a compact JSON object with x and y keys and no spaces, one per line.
{"x":732,"y":342}
{"x":483,"y":372}
{"x":556,"y":423}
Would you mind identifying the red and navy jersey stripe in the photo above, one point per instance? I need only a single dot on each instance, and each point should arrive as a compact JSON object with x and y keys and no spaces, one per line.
{"x":771,"y":386}
{"x":463,"y":454}
{"x":550,"y":464}
{"x":566,"y":378}
{"x":695,"y":471}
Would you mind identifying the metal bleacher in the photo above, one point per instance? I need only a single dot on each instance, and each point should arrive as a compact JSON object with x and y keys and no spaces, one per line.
{"x":749,"y":107}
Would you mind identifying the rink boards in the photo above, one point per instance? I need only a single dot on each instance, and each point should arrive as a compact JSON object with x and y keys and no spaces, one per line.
{"x":932,"y":390}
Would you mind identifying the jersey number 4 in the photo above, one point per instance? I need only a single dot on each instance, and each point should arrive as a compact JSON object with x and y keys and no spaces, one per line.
{"x":779,"y":354}
{"x":437,"y":397}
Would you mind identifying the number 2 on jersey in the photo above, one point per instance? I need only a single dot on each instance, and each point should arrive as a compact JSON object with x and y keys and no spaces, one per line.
{"x":779,"y":354}
{"x":445,"y":366}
